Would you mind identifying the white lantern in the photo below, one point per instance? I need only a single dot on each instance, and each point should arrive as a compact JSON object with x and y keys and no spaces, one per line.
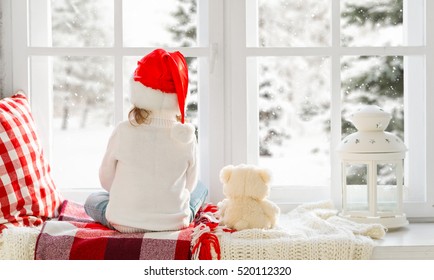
{"x":372,"y":171}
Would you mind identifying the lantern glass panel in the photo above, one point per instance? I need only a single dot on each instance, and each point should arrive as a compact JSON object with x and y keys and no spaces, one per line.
{"x":357,"y":187}
{"x":387,"y":189}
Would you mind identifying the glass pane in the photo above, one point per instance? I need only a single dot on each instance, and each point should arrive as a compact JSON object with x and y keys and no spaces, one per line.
{"x":300,"y":23}
{"x":357,"y":187}
{"x":191,"y":113}
{"x":73,"y":23}
{"x":294,"y":119}
{"x":160,"y":23}
{"x":82,"y":118}
{"x":376,"y":80}
{"x":372,"y":23}
{"x":387,"y":190}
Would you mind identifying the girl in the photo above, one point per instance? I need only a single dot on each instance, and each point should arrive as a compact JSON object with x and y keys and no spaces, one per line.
{"x":149,"y":169}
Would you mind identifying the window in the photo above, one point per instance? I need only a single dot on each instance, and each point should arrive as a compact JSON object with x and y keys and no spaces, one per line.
{"x":273,"y":83}
{"x":307,"y":66}
{"x":80,"y":55}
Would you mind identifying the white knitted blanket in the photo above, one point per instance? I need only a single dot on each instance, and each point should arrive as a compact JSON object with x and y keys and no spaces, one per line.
{"x":309,"y":232}
{"x":18,"y":243}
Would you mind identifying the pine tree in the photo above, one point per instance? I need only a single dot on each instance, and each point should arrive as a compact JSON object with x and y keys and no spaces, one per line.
{"x":291,"y":90}
{"x":183,"y":30}
{"x":382,"y":82}
{"x":80,"y":83}
{"x":279,"y":104}
{"x":364,"y":13}
{"x":184,"y":27}
{"x":270,"y":111}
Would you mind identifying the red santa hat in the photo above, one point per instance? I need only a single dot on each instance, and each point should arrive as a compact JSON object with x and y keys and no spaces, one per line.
{"x":160,"y":82}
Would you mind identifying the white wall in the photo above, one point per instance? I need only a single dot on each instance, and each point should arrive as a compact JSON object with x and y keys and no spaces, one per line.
{"x":5,"y":49}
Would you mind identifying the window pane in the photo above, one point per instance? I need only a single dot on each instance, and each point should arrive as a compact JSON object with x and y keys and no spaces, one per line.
{"x":387,"y":189}
{"x":191,"y":113}
{"x":72,"y":23}
{"x":160,"y":23}
{"x":373,"y":80}
{"x":283,"y":23}
{"x":82,"y":118}
{"x":372,"y":23}
{"x":294,"y":119}
{"x":357,"y":194}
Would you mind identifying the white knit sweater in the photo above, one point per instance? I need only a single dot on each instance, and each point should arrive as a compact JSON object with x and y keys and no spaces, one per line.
{"x":150,"y":171}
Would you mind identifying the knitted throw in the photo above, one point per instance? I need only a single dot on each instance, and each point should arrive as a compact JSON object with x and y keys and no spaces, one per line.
{"x":18,"y":243}
{"x":309,"y":232}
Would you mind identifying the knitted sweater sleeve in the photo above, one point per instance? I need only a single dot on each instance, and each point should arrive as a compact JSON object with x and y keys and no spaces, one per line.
{"x":108,"y":165}
{"x":185,"y":133}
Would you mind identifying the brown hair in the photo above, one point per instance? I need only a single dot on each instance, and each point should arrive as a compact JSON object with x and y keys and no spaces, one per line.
{"x":137,"y":116}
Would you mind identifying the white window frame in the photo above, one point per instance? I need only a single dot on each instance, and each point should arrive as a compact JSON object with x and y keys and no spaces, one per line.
{"x":240,"y":73}
{"x":35,"y":83}
{"x":227,"y":133}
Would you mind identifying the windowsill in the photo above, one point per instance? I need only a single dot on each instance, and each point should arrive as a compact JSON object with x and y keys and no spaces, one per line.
{"x":413,"y":242}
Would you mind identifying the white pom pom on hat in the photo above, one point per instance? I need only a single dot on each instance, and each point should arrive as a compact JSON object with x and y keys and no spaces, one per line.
{"x":160,"y":82}
{"x":184,"y":133}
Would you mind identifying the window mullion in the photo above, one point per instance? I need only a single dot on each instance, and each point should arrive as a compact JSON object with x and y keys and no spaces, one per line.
{"x":118,"y":61}
{"x":252,"y":88}
{"x":20,"y":70}
{"x":40,"y":71}
{"x":235,"y":76}
{"x":328,"y":51}
{"x":429,"y":100}
{"x":211,"y":97}
{"x":416,"y":201}
{"x":6,"y":60}
{"x":335,"y":117}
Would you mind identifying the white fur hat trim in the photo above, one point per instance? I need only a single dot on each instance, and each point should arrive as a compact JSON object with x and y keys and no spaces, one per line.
{"x":153,"y":99}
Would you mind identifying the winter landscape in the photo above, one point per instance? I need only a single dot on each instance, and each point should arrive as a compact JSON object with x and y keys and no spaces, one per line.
{"x":294,"y":101}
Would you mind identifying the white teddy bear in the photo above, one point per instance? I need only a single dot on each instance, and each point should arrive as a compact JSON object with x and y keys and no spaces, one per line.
{"x":246,"y":205}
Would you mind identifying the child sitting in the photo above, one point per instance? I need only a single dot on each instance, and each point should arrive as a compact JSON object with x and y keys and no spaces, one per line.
{"x":149,"y":170}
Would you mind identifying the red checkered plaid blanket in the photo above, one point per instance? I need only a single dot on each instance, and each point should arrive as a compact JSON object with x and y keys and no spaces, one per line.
{"x":76,"y":236}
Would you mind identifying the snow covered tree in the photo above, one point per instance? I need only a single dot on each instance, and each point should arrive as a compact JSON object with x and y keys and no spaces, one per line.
{"x":380,"y":84}
{"x":372,"y":13}
{"x":293,"y":92}
{"x":184,"y":30}
{"x":294,"y":95}
{"x":81,"y":83}
{"x":377,"y":80}
{"x":380,"y":79}
{"x":184,"y":25}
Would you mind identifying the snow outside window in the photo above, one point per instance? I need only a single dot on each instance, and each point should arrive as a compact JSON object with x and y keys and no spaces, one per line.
{"x":80,"y":56}
{"x":272,"y":83}
{"x":309,"y":65}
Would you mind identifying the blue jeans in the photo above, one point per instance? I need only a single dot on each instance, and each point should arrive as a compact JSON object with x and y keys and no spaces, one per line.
{"x":96,"y":204}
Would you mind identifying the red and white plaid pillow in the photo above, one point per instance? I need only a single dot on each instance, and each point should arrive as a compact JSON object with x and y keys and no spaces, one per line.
{"x":28,"y":195}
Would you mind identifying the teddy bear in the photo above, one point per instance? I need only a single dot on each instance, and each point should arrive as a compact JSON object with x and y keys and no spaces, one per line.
{"x":246,"y":205}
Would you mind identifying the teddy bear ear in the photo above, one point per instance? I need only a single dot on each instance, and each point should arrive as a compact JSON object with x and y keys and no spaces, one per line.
{"x":265,"y":175}
{"x":225,"y":173}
